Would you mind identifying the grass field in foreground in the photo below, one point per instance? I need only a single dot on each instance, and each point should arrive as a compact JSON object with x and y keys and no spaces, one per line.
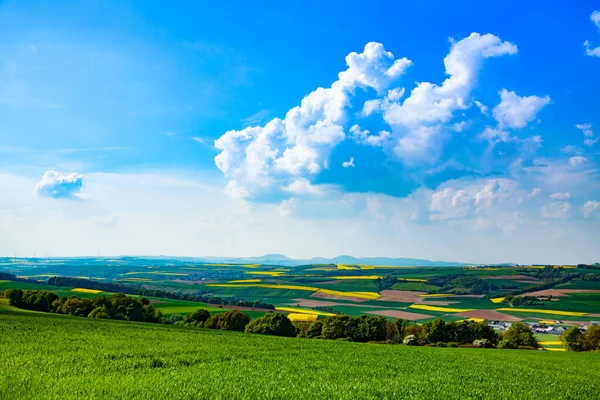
{"x":44,"y":356}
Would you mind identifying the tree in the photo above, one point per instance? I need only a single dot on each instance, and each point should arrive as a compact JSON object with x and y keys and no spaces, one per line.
{"x":196,"y":318}
{"x":276,"y":324}
{"x":230,"y":321}
{"x":572,"y":339}
{"x":434,"y":331}
{"x":314,"y":331}
{"x":591,"y":338}
{"x":99,"y":312}
{"x":517,"y":336}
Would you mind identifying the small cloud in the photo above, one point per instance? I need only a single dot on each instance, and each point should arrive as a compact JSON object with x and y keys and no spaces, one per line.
{"x":589,"y":50}
{"x":588,"y":133}
{"x":560,"y":196}
{"x":483,"y":109}
{"x":58,"y":186}
{"x":349,"y":163}
{"x":577,"y":160}
{"x":556,"y":210}
{"x":171,"y":133}
{"x":589,"y":208}
{"x":33,"y":48}
{"x":534,"y":193}
{"x":199,"y":140}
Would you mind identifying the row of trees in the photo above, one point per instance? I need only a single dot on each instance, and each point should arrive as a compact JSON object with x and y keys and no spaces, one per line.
{"x":140,"y":291}
{"x":574,"y":339}
{"x":372,"y":329}
{"x":117,"y":306}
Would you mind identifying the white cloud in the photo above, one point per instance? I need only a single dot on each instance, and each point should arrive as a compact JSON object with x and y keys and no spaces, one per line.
{"x":484,"y":199}
{"x":60,"y":186}
{"x":419,"y":123}
{"x":560,"y":196}
{"x":588,"y":134}
{"x":349,"y":163}
{"x":33,"y":48}
{"x":198,"y":140}
{"x":235,"y":191}
{"x":577,"y":160}
{"x":590,"y":207}
{"x":556,"y":210}
{"x":534,"y":193}
{"x":480,"y":196}
{"x":299,"y":145}
{"x":450,"y":203}
{"x":171,"y":133}
{"x":365,"y":137}
{"x":483,"y":109}
{"x":590,"y":51}
{"x":303,"y":186}
{"x":515,"y":111}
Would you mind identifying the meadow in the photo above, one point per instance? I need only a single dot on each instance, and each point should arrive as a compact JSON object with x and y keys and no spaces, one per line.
{"x":47,"y":356}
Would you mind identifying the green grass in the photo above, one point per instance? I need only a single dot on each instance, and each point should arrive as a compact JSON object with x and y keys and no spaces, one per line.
{"x":43,"y":356}
{"x":415,"y":286}
{"x":589,"y":285}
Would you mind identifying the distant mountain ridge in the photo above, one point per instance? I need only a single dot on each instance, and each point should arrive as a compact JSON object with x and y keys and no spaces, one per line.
{"x":280,"y":259}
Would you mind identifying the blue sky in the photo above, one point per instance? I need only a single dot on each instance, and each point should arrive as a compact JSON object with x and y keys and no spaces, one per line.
{"x":460,"y":132}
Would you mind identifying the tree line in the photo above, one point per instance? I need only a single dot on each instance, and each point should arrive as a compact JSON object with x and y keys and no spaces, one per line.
{"x":139,"y":291}
{"x":117,"y":306}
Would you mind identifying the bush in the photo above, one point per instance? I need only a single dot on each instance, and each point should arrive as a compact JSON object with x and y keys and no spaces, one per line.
{"x":275,"y":324}
{"x":591,"y":338}
{"x":411,"y":340}
{"x":482,"y":343}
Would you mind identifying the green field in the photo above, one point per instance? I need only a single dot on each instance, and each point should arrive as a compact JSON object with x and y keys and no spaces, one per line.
{"x":45,"y":356}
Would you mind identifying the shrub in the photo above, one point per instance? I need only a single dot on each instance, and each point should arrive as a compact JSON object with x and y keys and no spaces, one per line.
{"x":482,"y":343}
{"x":411,"y":340}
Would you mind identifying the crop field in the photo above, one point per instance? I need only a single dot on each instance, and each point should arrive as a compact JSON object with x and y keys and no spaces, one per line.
{"x":46,"y":356}
{"x":351,"y":289}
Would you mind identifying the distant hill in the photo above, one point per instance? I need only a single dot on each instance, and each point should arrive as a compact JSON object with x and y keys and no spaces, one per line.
{"x":280,"y":259}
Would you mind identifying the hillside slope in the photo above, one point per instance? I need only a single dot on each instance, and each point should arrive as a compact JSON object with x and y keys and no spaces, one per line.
{"x":44,"y":356}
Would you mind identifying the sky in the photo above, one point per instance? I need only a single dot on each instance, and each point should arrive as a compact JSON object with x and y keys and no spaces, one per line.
{"x":460,"y":132}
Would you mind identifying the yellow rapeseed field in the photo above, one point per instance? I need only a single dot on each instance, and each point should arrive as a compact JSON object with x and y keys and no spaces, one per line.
{"x":361,"y":295}
{"x":270,"y":273}
{"x":498,"y":300}
{"x":366,"y":277}
{"x":554,"y":349}
{"x":546,"y":321}
{"x":83,"y":290}
{"x":539,"y":311}
{"x":551,"y":342}
{"x":346,"y":267}
{"x":296,"y":317}
{"x":303,"y":311}
{"x":440,"y":309}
